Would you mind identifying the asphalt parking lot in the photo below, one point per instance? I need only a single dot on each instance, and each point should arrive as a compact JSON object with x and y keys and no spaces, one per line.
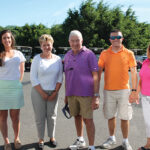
{"x":65,"y":129}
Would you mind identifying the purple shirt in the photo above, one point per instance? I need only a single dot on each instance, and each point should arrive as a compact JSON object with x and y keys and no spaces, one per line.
{"x":78,"y":72}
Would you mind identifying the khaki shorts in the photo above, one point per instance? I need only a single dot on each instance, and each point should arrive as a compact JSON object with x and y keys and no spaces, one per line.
{"x":81,"y":105}
{"x":116,"y":103}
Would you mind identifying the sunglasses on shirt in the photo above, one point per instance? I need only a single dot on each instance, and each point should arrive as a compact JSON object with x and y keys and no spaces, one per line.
{"x":115,"y":37}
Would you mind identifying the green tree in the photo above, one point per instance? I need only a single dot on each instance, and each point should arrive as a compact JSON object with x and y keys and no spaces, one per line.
{"x":29,"y":34}
{"x":96,"y":21}
{"x":58,"y":35}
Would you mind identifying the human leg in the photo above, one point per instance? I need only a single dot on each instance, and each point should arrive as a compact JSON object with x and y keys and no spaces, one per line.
{"x":125,"y":114}
{"x":111,"y":140}
{"x":79,"y":142}
{"x":79,"y":125}
{"x":14,"y":115}
{"x":87,"y":114}
{"x":39,"y":107}
{"x":3,"y":125}
{"x":112,"y":126}
{"x":110,"y":112}
{"x":125,"y":128}
{"x":74,"y":107}
{"x":90,"y":129}
{"x":146,"y":113}
{"x":125,"y":131}
{"x":51,"y":120}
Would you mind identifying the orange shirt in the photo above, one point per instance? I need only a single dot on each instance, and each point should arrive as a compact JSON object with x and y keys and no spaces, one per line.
{"x":116,"y":67}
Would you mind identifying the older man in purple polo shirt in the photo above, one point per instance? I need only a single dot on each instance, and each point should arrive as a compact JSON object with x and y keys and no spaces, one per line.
{"x":82,"y":87}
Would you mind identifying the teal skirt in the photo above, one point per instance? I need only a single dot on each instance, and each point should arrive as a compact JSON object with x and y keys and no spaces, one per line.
{"x":11,"y":94}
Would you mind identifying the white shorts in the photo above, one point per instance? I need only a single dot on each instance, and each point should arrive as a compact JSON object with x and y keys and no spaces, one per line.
{"x":116,"y":103}
{"x":146,"y":113}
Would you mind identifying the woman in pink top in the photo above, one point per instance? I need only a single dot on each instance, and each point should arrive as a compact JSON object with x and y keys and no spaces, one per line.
{"x":144,"y":88}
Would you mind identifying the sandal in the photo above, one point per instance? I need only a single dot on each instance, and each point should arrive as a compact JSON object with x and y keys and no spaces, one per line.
{"x":17,"y":144}
{"x":7,"y":147}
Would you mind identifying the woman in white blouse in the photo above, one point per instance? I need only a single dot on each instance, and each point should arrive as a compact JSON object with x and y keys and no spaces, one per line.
{"x":11,"y":92}
{"x":46,"y":78}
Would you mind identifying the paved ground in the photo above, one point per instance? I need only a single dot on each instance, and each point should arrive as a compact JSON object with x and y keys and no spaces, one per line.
{"x":65,"y":130}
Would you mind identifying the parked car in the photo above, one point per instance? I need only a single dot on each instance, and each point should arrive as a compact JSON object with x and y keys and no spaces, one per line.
{"x":144,"y":57}
{"x":27,"y":51}
{"x":139,"y":60}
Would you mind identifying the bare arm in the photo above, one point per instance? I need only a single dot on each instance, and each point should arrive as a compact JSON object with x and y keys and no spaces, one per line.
{"x":95,"y":101}
{"x":66,"y":99}
{"x":139,"y":87}
{"x":96,"y":82}
{"x":138,"y":91}
{"x":21,"y":70}
{"x":134,"y":77}
{"x":133,"y":95}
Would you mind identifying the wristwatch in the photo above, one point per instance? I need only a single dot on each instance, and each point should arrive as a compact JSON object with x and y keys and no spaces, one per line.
{"x":133,"y":90}
{"x":96,"y":94}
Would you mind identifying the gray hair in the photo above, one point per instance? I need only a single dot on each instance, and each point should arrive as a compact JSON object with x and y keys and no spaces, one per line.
{"x":75,"y":33}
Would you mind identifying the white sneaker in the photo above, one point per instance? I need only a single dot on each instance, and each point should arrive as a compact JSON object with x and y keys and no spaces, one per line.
{"x":126,"y":146}
{"x":78,"y":144}
{"x":91,"y":149}
{"x":109,"y":143}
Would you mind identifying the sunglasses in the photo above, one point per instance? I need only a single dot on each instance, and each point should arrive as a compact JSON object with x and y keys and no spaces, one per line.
{"x":66,"y":111}
{"x":115,"y":37}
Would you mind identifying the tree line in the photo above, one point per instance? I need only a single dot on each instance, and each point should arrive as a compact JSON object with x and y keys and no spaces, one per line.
{"x":95,"y":21}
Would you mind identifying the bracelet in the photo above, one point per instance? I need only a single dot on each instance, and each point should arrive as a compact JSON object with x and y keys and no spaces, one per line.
{"x":133,"y":90}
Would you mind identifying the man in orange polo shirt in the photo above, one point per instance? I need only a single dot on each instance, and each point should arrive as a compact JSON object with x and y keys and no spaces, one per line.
{"x":116,"y":61}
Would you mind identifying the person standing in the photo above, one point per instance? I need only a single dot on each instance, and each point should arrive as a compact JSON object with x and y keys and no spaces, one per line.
{"x":144,"y":88}
{"x":116,"y":61}
{"x":82,"y":87}
{"x":11,"y":91}
{"x":46,"y":77}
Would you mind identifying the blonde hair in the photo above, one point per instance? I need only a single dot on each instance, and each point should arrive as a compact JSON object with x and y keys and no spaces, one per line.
{"x":148,"y":52}
{"x":46,"y":37}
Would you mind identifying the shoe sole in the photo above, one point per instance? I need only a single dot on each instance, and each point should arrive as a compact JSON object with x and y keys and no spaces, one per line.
{"x":73,"y":147}
{"x":108,"y":147}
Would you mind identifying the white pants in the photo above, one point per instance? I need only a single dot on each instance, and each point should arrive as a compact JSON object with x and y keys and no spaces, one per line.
{"x":44,"y":111}
{"x":146,"y":113}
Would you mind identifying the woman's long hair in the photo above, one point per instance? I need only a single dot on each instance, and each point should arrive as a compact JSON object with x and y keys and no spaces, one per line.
{"x":2,"y":48}
{"x":148,"y":52}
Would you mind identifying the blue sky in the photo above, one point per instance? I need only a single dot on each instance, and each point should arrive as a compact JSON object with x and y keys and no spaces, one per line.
{"x":51,"y":12}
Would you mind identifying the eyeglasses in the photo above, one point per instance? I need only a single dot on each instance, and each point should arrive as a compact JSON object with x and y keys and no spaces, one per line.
{"x":115,"y":37}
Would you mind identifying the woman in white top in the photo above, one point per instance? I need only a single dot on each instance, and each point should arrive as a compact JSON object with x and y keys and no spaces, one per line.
{"x":46,"y":77}
{"x":11,"y":92}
